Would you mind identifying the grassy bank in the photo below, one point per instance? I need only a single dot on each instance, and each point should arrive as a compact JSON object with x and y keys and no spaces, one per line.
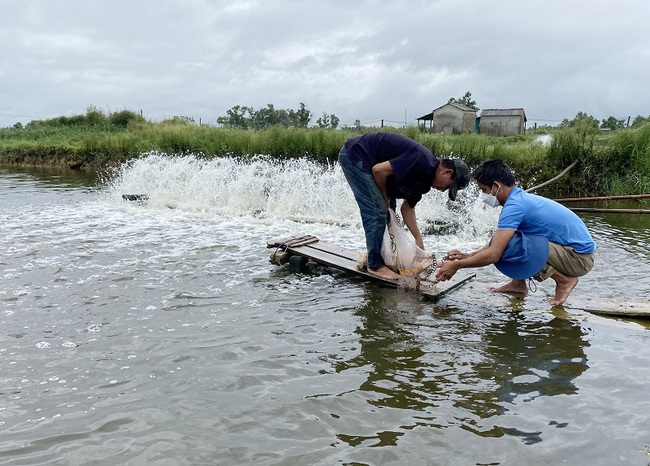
{"x":608,"y":163}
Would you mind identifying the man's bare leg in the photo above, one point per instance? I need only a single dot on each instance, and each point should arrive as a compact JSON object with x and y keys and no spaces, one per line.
{"x":384,"y":272}
{"x":515,"y":286}
{"x":564,"y":285}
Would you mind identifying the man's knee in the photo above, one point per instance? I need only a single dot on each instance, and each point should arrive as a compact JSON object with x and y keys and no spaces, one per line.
{"x":566,"y":260}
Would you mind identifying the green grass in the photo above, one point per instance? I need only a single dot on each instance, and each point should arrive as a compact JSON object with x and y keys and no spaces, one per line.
{"x":608,"y":163}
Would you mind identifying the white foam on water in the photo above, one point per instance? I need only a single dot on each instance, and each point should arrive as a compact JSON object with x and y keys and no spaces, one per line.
{"x":277,"y":195}
{"x":203,"y":218}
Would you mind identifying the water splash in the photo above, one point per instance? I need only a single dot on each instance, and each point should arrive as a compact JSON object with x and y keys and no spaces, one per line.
{"x":297,"y":190}
{"x":543,"y":140}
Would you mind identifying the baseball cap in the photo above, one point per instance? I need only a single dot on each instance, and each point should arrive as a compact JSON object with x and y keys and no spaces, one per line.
{"x":461,"y":177}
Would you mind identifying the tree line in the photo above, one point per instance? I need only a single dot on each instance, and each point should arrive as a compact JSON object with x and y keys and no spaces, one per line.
{"x":612,"y":123}
{"x":247,"y":118}
{"x":244,"y":117}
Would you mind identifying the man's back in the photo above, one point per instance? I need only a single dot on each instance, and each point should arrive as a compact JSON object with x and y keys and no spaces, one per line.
{"x":538,"y":215}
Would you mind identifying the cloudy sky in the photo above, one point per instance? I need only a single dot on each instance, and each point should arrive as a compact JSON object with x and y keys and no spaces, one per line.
{"x":358,"y":59}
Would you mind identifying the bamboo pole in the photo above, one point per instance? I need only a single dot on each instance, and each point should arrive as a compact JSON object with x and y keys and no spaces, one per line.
{"x":610,"y":211}
{"x":595,"y":198}
{"x":603,"y":198}
{"x":564,"y":172}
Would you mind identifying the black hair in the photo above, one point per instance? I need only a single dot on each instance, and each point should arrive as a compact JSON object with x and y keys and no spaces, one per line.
{"x":493,"y":170}
{"x":448,"y":163}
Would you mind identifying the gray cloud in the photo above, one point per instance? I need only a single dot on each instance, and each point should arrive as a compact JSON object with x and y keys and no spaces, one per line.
{"x":366,"y":60}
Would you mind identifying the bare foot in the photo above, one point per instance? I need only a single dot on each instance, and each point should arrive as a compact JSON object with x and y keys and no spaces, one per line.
{"x":515,"y":286}
{"x":384,"y":272}
{"x":564,"y":285}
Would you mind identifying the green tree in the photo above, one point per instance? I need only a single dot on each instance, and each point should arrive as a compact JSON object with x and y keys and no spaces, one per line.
{"x":581,"y":120}
{"x":640,"y":121}
{"x":269,"y":116}
{"x":238,"y":117}
{"x":328,"y":121}
{"x":247,"y":118}
{"x":612,"y":123}
{"x":301,"y":117}
{"x":465,"y":100}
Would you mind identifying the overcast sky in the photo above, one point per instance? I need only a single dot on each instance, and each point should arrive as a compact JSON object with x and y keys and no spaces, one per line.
{"x":365,"y":60}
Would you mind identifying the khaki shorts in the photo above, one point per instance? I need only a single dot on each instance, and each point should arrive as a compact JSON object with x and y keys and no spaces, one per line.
{"x":564,"y":259}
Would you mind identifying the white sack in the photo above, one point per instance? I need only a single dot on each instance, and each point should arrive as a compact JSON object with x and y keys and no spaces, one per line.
{"x":399,"y":251}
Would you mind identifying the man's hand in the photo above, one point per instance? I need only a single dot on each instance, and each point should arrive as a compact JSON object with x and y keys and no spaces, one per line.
{"x":446,"y":270}
{"x":488,"y":254}
{"x":455,"y":255}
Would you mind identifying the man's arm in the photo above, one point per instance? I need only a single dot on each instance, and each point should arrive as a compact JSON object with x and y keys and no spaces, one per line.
{"x":381,"y":172}
{"x":408,"y":214}
{"x":481,"y":258}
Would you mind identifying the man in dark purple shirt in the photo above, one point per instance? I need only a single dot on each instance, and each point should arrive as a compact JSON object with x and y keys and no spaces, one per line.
{"x":383,"y":167}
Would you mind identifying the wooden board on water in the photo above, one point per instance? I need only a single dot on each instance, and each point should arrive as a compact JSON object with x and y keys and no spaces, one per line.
{"x":640,"y":310}
{"x":345,"y":259}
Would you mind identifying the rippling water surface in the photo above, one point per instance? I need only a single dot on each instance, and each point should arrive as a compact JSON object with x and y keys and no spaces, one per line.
{"x":159,"y":333}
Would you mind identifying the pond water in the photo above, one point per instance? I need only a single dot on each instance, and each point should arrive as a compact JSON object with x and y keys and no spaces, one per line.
{"x":158,"y":332}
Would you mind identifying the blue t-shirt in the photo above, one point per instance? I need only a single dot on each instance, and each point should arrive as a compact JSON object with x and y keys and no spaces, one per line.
{"x":538,"y":215}
{"x":414,"y":166}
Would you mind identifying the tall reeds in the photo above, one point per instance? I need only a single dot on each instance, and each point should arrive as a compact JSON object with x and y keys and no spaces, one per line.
{"x":608,"y":163}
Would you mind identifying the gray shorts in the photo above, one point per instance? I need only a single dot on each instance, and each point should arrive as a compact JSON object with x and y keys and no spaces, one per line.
{"x":564,"y":259}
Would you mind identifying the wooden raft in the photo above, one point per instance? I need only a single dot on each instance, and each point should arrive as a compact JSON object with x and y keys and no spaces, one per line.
{"x":311,"y":248}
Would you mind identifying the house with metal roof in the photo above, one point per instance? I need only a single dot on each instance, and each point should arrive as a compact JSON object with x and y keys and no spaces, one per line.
{"x":450,"y":118}
{"x":502,"y":122}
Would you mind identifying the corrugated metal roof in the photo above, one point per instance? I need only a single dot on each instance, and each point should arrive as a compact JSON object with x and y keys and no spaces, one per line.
{"x":503,"y":112}
{"x":462,"y":107}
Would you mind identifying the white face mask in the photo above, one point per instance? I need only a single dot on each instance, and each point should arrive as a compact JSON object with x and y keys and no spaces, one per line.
{"x":490,"y":199}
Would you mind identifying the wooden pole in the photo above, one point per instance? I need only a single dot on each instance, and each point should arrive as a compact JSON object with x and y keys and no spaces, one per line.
{"x":602,"y":198}
{"x":610,"y":211}
{"x":594,"y":198}
{"x":564,"y":172}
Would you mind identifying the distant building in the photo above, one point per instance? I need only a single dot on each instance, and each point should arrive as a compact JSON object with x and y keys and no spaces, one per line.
{"x":502,"y":122}
{"x":450,"y":118}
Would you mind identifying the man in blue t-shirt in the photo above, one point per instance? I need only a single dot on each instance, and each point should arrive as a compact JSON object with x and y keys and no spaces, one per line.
{"x":383,"y":167}
{"x":536,"y":237}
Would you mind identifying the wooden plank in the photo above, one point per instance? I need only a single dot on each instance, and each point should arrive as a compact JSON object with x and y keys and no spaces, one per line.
{"x":346,"y":260}
{"x":344,"y":263}
{"x":336,"y":250}
{"x":616,"y":308}
{"x":293,"y":241}
{"x":622,"y":312}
